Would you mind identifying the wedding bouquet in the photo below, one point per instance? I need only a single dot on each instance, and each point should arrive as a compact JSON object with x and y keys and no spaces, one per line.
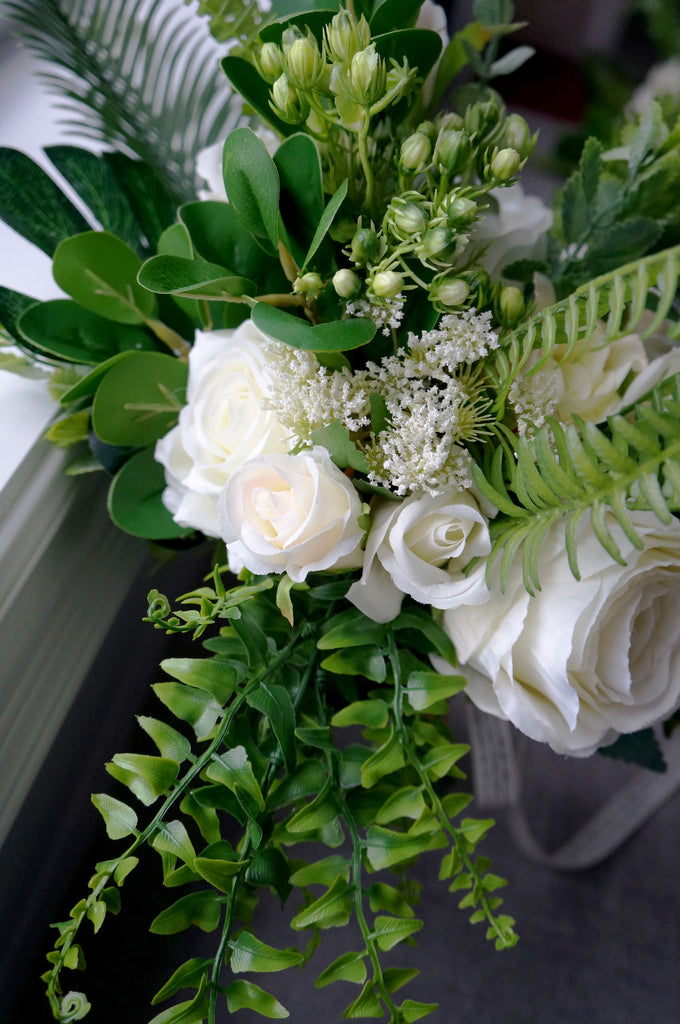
{"x":434,"y":435}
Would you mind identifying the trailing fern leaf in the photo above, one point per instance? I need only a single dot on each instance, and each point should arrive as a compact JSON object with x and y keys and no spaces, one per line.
{"x":617,"y":301}
{"x":568,"y":472}
{"x":132,"y":76}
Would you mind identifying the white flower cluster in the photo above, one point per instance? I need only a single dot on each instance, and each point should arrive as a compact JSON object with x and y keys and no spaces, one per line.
{"x":386,"y":314}
{"x":429,"y":393}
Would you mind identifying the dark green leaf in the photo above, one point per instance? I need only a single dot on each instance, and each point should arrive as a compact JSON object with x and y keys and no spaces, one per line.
{"x":33,"y":205}
{"x":139,"y":399}
{"x":189,"y":975}
{"x":325,"y":221}
{"x":174,"y":275}
{"x":364,"y":661}
{"x":269,"y":866}
{"x":64,"y":329}
{"x":348,"y":967}
{"x":419,"y":46}
{"x":640,"y":747}
{"x":153,"y":204}
{"x":252,"y":185}
{"x":134,"y":500}
{"x":335,"y":336}
{"x":197,"y":908}
{"x":302,"y":200}
{"x":255,"y":91}
{"x":274,"y":702}
{"x":332,"y":910}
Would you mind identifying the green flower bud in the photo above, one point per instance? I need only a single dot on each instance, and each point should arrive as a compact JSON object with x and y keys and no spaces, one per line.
{"x":435,"y":242}
{"x":517,"y":135}
{"x":482,"y":117}
{"x":404,"y":218}
{"x":504,"y":165}
{"x":365,"y":246}
{"x":450,"y":292}
{"x":367,"y":77}
{"x":304,"y":63}
{"x":343,"y":230}
{"x":287,"y":103}
{"x":346,"y":283}
{"x":309,"y":284}
{"x":270,"y":62}
{"x":345,"y":36}
{"x":461,"y":212}
{"x":452,"y":152}
{"x":449,"y":122}
{"x":479,"y":286}
{"x":510,"y":306}
{"x":428,"y":129}
{"x":415,"y":153}
{"x":387,"y":284}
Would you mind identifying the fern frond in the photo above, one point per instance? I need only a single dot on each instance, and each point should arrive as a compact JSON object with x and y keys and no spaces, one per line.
{"x":617,"y":300}
{"x":568,"y":472}
{"x":134,"y":75}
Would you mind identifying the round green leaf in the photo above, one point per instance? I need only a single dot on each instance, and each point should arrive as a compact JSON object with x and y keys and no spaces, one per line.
{"x":88,"y":384}
{"x":139,"y":399}
{"x":135,"y":503}
{"x":100,"y":272}
{"x":64,"y":329}
{"x":335,"y":336}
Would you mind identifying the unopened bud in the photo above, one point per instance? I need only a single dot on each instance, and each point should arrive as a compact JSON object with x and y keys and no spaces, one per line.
{"x":461,"y":212}
{"x":517,"y":135}
{"x":309,"y":284}
{"x":510,"y":306}
{"x":367,"y":76}
{"x":347,"y":284}
{"x":452,"y":152}
{"x":504,"y":165}
{"x":343,"y":230}
{"x":449,"y":122}
{"x":387,"y":284}
{"x":449,"y":291}
{"x":288,"y":104}
{"x":482,"y":117}
{"x":415,"y":152}
{"x":345,"y":36}
{"x":304,"y":63}
{"x":404,"y":219}
{"x":365,"y":246}
{"x":270,"y":62}
{"x":435,"y":242}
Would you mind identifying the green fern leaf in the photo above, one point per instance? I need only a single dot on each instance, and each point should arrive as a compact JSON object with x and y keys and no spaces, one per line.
{"x":564,"y":473}
{"x":135,"y":75}
{"x":619,"y":299}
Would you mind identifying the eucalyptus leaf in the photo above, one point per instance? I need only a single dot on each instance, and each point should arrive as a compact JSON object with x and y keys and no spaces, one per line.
{"x":175,"y":275}
{"x":64,"y":329}
{"x":100,"y":272}
{"x":135,"y":503}
{"x":252,"y":184}
{"x":335,"y":336}
{"x":301,"y":200}
{"x":139,"y":399}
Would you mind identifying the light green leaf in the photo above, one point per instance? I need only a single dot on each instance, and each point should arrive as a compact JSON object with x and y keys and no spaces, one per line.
{"x":197,"y":908}
{"x":243,"y":995}
{"x":148,"y":777}
{"x":322,"y":872}
{"x":373,"y":713}
{"x":172,"y":837}
{"x":388,"y":758}
{"x":439,"y":760}
{"x":189,"y":975}
{"x":234,"y":770}
{"x":424,"y":689}
{"x":220,"y":873}
{"x":386,"y":897}
{"x":390,"y":931}
{"x":120,"y":820}
{"x":342,"y":448}
{"x":348,"y":967}
{"x":332,"y":910}
{"x":366,"y":1006}
{"x":385,"y":848}
{"x":251,"y":954}
{"x":407,"y":802}
{"x":411,"y":1010}
{"x":100,"y":271}
{"x":196,"y":707}
{"x":216,"y":677}
{"x":363,"y":661}
{"x":170,"y":742}
{"x":351,"y":628}
{"x":69,"y":430}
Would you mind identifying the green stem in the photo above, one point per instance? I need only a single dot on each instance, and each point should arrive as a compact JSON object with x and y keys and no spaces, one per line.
{"x":366,"y":165}
{"x":426,"y":782}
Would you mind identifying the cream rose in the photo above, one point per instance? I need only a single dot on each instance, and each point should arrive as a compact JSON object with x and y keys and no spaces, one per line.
{"x":222,"y":424}
{"x":290,"y":513}
{"x":420,"y":547}
{"x":580,"y":661}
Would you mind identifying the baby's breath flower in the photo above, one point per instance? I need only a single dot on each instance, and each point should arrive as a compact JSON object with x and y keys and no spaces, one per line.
{"x":386,"y":314}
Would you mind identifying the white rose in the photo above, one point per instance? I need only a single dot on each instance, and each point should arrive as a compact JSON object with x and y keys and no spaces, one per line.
{"x":222,"y":424}
{"x":518,"y":231}
{"x":580,"y":661}
{"x":420,"y":547}
{"x":662,"y":80}
{"x":590,"y":386}
{"x":290,"y":513}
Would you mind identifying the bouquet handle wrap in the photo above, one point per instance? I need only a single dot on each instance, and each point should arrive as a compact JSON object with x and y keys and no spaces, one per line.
{"x":497,"y":783}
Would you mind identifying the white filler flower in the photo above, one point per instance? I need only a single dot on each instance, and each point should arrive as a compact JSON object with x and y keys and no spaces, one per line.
{"x":581,"y":661}
{"x":290,"y":513}
{"x":222,"y":424}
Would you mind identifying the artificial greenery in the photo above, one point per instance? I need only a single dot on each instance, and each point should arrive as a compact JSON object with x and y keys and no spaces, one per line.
{"x":329,"y":730}
{"x":173,"y":105}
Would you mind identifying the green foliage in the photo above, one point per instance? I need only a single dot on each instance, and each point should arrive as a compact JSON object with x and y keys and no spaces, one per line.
{"x":176,"y":102}
{"x":583,"y":469}
{"x":265,"y":715}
